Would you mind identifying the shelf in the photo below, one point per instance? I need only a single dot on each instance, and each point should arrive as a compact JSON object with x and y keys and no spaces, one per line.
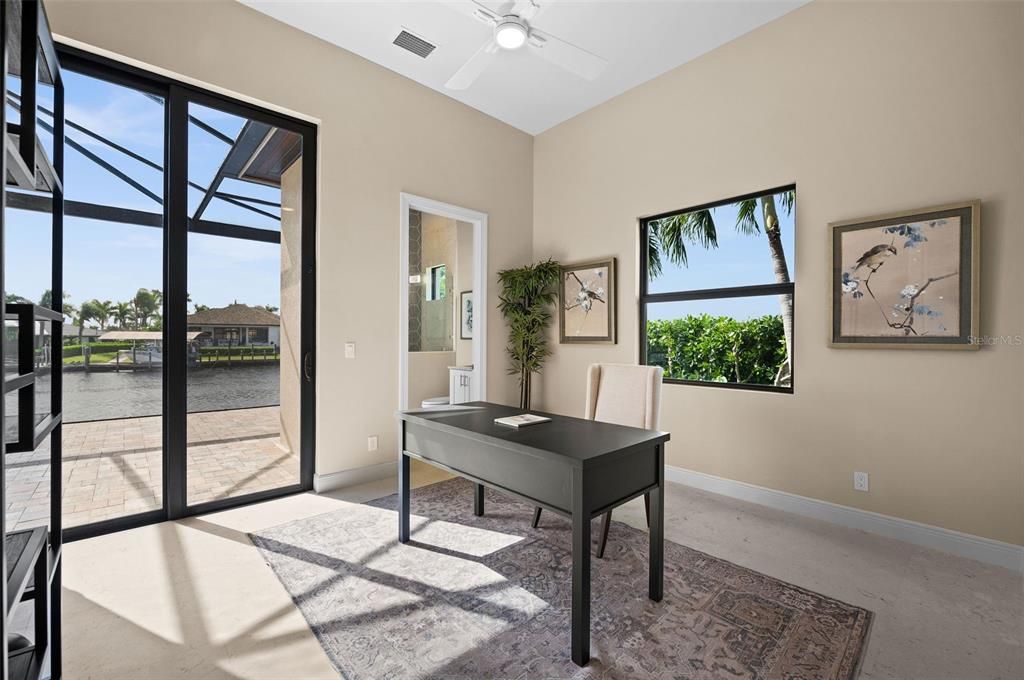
{"x":18,"y":173}
{"x":14,"y":383}
{"x":32,"y":561}
{"x":43,"y":179}
{"x":23,"y":548}
{"x":40,"y":431}
{"x":52,"y":558}
{"x":23,"y":664}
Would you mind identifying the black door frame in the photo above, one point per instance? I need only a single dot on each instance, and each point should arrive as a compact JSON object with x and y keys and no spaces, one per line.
{"x":177,"y":96}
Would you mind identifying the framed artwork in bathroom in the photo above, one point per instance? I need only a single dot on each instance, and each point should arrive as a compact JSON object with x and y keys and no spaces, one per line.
{"x":466,"y":315}
{"x":586,"y":302}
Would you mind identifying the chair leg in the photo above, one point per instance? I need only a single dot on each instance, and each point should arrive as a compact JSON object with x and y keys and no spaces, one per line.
{"x":606,"y":522}
{"x":647,"y":508}
{"x":536,"y":517}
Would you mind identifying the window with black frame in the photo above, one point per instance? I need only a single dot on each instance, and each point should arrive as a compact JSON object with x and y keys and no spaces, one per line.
{"x":717,"y":289}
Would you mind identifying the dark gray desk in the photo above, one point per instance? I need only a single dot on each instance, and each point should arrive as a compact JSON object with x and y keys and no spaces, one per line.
{"x":574,"y":467}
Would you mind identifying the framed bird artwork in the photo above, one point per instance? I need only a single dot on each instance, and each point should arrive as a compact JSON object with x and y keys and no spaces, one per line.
{"x":907,"y":280}
{"x":586,"y":302}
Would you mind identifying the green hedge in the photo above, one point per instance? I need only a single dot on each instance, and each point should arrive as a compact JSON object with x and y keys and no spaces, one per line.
{"x":235,"y":349}
{"x":718,"y":348}
{"x":76,"y":349}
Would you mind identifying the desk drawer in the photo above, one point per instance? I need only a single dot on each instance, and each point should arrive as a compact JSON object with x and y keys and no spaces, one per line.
{"x":537,"y":478}
{"x":610,"y":483}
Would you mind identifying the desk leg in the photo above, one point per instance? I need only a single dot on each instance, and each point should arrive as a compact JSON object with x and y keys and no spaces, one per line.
{"x":478,"y":500}
{"x":580,"y":574}
{"x":403,"y":497}
{"x":657,"y":531}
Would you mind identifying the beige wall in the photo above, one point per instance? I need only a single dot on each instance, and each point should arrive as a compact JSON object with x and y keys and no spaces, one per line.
{"x":371,"y":148}
{"x":868,"y":107}
{"x":291,"y":307}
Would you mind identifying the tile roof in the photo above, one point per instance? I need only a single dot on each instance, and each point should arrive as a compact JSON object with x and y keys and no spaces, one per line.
{"x":235,"y":314}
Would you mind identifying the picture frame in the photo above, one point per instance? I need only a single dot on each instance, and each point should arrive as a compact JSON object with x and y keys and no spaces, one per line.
{"x":907,"y":280}
{"x":466,"y":316}
{"x":586,"y":302}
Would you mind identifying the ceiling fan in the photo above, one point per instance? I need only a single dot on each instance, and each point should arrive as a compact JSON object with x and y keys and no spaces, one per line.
{"x":513,"y":29}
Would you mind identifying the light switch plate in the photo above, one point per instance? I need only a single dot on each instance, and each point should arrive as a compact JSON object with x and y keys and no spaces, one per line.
{"x":350,"y":350}
{"x":371,"y":443}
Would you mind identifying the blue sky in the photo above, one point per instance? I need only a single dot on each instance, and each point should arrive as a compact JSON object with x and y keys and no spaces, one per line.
{"x":739,"y":260}
{"x":110,"y":261}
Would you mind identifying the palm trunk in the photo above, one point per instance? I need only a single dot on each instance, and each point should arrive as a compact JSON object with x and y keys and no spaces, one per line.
{"x":524,"y":389}
{"x":772,"y":230}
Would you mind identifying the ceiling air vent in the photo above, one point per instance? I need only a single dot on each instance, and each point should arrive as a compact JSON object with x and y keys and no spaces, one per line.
{"x":414,"y":44}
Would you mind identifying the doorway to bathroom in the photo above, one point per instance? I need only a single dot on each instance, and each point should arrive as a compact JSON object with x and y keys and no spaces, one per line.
{"x":442,"y":304}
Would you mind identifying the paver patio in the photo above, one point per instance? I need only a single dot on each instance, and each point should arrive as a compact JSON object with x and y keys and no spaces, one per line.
{"x":114,"y":468}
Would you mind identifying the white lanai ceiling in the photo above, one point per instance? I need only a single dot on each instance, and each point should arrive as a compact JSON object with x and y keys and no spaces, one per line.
{"x":637,"y":41}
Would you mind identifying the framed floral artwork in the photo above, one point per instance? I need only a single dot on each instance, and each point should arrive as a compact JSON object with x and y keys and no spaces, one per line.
{"x":907,"y":279}
{"x":586,"y":302}
{"x":466,"y":315}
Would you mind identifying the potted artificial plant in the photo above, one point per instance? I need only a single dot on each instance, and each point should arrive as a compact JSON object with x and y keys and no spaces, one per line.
{"x":527,"y":293}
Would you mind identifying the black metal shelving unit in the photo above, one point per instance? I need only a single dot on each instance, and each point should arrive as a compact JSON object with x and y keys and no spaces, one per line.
{"x":30,"y":352}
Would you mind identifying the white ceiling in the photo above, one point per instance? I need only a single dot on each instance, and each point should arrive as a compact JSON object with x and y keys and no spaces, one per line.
{"x":639,"y":39}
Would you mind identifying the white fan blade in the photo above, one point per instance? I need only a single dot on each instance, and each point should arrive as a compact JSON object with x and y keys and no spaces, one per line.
{"x":527,"y":9}
{"x":476,"y":10}
{"x":472,"y":69}
{"x":560,"y":53}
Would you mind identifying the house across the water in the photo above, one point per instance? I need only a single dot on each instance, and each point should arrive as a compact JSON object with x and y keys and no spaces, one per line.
{"x":236,"y":324}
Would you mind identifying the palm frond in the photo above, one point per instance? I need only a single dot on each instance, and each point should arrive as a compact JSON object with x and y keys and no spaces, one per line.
{"x":676,"y":231}
{"x":700,"y":228}
{"x":653,"y":252}
{"x":671,"y":239}
{"x":746,"y":218}
{"x":787,"y":199}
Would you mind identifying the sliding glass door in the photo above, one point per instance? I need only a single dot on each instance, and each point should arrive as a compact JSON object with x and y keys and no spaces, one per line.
{"x":188,"y":269}
{"x":244,"y":296}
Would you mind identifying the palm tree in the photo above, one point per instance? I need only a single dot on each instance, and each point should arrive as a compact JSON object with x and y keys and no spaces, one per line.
{"x":145,"y":304}
{"x":526,"y":295}
{"x":670,"y":235}
{"x":68,"y":309}
{"x":89,"y":311}
{"x":103,"y":310}
{"x":122,"y":312}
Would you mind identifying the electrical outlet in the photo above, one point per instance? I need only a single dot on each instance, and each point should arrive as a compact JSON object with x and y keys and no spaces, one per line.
{"x":350,"y":350}
{"x":860,"y":481}
{"x":371,"y":443}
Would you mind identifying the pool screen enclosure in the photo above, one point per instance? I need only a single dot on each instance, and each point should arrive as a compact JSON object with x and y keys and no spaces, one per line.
{"x":188,"y":259}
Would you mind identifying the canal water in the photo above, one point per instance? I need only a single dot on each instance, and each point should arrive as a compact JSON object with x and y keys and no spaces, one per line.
{"x":130,"y":394}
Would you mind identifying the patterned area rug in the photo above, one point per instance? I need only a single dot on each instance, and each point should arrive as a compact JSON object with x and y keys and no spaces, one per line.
{"x":489,"y":597}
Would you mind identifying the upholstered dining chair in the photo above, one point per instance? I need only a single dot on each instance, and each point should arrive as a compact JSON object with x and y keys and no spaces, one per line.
{"x":623,"y":394}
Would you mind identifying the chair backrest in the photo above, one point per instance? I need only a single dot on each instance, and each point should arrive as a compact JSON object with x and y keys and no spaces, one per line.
{"x":624,"y":394}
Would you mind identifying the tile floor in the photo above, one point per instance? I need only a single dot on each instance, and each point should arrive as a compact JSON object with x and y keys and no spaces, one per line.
{"x":114,"y":468}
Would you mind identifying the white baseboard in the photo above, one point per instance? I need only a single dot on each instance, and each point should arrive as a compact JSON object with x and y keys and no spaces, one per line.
{"x":370,"y":473}
{"x":986,"y":550}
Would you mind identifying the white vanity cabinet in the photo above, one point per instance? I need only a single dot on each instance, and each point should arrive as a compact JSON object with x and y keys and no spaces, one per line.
{"x":460,"y":384}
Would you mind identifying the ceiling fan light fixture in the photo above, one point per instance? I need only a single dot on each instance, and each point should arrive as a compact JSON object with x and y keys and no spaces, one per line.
{"x":510,"y":33}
